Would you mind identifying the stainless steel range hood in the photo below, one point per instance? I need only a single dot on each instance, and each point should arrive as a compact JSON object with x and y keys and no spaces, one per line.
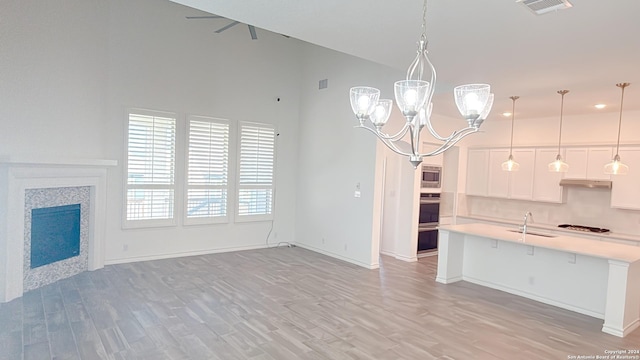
{"x":594,"y":184}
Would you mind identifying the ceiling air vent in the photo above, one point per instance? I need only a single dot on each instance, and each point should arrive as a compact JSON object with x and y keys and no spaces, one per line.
{"x":544,"y":6}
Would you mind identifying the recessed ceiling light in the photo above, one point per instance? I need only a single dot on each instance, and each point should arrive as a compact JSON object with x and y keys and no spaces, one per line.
{"x":600,"y":106}
{"x":506,"y":114}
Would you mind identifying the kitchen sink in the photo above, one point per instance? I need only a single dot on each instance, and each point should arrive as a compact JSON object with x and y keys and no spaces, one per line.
{"x":533,"y":233}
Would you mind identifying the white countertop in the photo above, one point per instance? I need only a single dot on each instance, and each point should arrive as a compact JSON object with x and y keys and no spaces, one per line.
{"x":582,"y":246}
{"x":574,"y":233}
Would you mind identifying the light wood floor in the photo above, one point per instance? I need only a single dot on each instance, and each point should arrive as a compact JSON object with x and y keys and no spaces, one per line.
{"x":288,"y":303}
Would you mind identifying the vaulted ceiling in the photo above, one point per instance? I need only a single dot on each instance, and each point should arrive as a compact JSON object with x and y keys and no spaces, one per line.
{"x":586,"y":49}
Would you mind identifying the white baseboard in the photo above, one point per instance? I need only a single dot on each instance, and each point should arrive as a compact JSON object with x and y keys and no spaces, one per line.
{"x":340,"y":257}
{"x":180,"y":254}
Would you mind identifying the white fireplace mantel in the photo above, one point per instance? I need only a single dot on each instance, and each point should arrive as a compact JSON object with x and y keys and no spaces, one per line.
{"x":19,"y":174}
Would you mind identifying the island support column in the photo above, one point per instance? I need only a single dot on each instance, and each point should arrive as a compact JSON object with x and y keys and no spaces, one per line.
{"x":622,"y":314}
{"x":450,"y":256}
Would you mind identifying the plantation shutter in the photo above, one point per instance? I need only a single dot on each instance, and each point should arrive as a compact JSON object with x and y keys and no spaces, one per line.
{"x":207,"y":170}
{"x":256,"y":169}
{"x":151,"y":146}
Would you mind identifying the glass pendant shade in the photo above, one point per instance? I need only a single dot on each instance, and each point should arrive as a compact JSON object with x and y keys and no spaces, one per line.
{"x":510,"y":164}
{"x":558,"y":165}
{"x":616,"y":167}
{"x":411,"y":95}
{"x":472,"y":99}
{"x":363,"y":100}
{"x":380,"y":114}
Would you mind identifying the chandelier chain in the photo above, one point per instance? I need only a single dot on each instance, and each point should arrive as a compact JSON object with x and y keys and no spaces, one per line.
{"x":423,"y":37}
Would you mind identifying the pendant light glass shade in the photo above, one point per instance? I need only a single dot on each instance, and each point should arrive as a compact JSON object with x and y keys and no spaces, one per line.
{"x":558,"y":165}
{"x":511,"y":164}
{"x":616,"y":167}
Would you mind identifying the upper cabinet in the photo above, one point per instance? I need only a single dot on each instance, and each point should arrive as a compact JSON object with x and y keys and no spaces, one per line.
{"x":532,"y":181}
{"x":546,"y":184}
{"x":498,"y":179}
{"x":588,"y":162}
{"x":521,"y":181}
{"x":625,"y":190}
{"x":477,"y":172}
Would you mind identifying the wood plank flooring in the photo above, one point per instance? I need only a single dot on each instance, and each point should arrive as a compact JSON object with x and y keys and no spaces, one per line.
{"x":288,"y":303}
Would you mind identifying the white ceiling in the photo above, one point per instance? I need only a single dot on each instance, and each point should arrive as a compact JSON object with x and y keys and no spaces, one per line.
{"x":586,"y":49}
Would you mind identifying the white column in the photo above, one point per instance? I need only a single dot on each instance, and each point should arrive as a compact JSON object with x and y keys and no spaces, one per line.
{"x":450,"y":256}
{"x":622,"y":313}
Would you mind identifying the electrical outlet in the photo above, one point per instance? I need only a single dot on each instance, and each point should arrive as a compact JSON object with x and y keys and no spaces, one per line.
{"x":345,"y":247}
{"x":125,"y":247}
{"x":356,"y":193}
{"x":532,"y":280}
{"x":529,"y":250}
{"x":323,"y":240}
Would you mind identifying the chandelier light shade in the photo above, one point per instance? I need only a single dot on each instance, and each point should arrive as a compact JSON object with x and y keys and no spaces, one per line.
{"x":413,"y":96}
{"x":616,"y":167}
{"x":559,"y":165}
{"x":511,"y":164}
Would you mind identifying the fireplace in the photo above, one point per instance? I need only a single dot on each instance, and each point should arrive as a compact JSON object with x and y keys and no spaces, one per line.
{"x":55,"y":234}
{"x":25,"y":187}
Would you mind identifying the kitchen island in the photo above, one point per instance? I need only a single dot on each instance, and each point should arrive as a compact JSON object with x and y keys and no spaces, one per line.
{"x":591,"y":277}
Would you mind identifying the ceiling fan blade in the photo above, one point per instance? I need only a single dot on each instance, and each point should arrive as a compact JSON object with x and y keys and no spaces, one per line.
{"x":204,"y":17}
{"x":226,"y":27}
{"x":252,"y":31}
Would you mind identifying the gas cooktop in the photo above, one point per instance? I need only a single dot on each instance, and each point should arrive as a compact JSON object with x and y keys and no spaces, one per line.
{"x":583,"y":228}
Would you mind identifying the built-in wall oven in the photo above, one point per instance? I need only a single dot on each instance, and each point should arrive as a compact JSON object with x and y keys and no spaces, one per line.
{"x":428,"y":224}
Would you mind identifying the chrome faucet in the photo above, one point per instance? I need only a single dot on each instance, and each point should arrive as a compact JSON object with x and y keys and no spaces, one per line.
{"x":527,"y":216}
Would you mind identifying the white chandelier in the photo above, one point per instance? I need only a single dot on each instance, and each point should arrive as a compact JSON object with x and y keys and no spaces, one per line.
{"x":413,"y":97}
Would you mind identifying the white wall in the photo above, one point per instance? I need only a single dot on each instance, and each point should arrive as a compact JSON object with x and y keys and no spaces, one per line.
{"x":159,"y":60}
{"x":71,"y":68}
{"x":334,"y":158}
{"x":53,"y":78}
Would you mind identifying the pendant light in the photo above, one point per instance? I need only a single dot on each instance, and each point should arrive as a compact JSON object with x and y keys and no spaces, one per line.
{"x":558,"y":165}
{"x":510,"y":164}
{"x":616,"y":167}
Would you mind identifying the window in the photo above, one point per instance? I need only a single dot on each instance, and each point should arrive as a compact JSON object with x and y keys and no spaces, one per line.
{"x":207,"y":169}
{"x":151,"y":148}
{"x":255,"y":171}
{"x":203,"y":171}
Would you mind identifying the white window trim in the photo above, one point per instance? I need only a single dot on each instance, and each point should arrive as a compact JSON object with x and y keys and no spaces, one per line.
{"x":229,"y":187}
{"x":151,"y":223}
{"x":254,"y":218}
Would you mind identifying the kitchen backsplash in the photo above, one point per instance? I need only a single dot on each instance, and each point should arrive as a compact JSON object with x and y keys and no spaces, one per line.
{"x":590,"y":207}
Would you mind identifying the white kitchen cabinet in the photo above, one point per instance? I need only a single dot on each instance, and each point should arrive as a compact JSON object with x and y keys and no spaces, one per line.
{"x":588,"y":162}
{"x":477,"y":172}
{"x":521,"y":182}
{"x":577,"y":159}
{"x":546,"y":184}
{"x":598,"y":158}
{"x":625,"y":191}
{"x":498,"y":179}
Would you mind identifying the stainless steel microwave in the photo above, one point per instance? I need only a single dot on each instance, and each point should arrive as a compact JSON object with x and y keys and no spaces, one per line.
{"x":431,"y":177}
